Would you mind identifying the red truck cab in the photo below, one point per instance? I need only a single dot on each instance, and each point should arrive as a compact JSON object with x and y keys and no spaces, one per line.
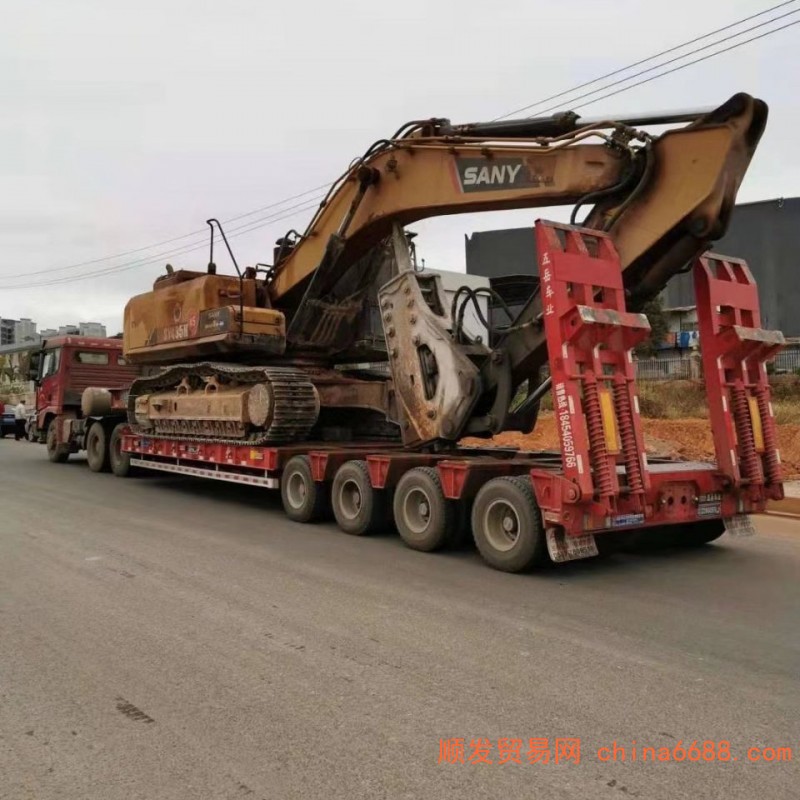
{"x":65,"y":366}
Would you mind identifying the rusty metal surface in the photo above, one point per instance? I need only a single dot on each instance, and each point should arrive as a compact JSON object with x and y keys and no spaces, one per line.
{"x":293,"y":398}
{"x":200,"y":314}
{"x":343,"y":392}
{"x":209,"y":410}
{"x":435,"y":383}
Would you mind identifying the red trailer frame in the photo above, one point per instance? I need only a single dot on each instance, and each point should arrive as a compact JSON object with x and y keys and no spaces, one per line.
{"x":601,"y":481}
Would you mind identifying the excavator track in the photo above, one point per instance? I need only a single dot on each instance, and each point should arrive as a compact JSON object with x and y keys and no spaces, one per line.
{"x":295,"y":403}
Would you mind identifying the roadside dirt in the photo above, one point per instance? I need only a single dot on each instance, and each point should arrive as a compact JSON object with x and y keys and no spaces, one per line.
{"x":677,"y":438}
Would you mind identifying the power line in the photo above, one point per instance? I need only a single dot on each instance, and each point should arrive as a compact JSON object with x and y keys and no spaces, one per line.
{"x":158,"y":257}
{"x":679,"y":58}
{"x":644,"y":60}
{"x":175,"y":238}
{"x":696,"y":61}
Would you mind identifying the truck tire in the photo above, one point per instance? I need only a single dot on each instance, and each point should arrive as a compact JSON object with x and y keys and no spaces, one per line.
{"x":358,"y":507}
{"x":507,"y":525}
{"x":425,"y":519}
{"x":97,"y":455}
{"x":304,"y":500}
{"x":57,"y":453}
{"x":119,"y":462}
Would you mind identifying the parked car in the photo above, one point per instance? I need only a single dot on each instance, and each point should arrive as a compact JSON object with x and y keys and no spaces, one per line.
{"x":8,"y":422}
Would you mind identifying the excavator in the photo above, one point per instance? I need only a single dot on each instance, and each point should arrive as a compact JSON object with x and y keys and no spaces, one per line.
{"x":275,"y":353}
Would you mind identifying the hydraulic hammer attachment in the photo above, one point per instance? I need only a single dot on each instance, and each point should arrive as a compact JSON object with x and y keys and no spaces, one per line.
{"x":590,"y":336}
{"x":735,"y":349}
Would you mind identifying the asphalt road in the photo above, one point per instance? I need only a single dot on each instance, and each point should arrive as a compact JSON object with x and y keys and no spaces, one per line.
{"x":168,"y":638}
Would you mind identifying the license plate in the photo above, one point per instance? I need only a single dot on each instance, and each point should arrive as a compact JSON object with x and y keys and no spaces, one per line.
{"x":740,"y":525}
{"x":569,"y":548}
{"x":709,"y":509}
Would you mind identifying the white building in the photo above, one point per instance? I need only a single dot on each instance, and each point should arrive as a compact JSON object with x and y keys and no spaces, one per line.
{"x":96,"y":329}
{"x":25,"y":331}
{"x":17,"y":331}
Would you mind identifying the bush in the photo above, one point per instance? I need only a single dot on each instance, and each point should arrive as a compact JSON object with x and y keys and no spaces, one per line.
{"x":672,"y":399}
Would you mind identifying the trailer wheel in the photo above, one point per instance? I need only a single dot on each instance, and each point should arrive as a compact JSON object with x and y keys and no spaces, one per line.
{"x":119,"y":462}
{"x":425,"y":519}
{"x":97,"y":455}
{"x":358,"y":507}
{"x":699,"y":533}
{"x":304,"y":500}
{"x":57,"y":453}
{"x":507,"y":525}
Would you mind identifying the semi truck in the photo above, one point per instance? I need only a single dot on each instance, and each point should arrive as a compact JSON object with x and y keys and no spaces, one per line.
{"x":267,"y":377}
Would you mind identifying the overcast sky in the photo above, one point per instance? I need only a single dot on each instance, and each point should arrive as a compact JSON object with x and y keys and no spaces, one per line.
{"x":127,"y":124}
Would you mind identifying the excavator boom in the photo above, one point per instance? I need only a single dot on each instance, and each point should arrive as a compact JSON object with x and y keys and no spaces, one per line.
{"x":674,"y":192}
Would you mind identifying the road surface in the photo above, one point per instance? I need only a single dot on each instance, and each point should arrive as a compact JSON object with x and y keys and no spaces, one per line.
{"x":169,"y":638}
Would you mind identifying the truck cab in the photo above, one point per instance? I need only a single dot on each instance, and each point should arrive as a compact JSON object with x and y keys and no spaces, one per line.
{"x":65,"y":366}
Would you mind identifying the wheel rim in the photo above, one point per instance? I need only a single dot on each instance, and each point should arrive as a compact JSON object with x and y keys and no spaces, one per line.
{"x":94,"y":446}
{"x":501,"y":524}
{"x":417,"y":511}
{"x":350,"y":499}
{"x":296,"y":490}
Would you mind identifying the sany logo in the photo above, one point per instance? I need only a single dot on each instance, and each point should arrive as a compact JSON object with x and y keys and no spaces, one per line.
{"x":491,"y":175}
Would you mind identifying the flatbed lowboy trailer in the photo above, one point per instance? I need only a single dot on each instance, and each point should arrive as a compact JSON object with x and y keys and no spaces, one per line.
{"x":525,"y":508}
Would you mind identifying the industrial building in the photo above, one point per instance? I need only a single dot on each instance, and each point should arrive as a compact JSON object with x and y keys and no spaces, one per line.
{"x":766,"y":234}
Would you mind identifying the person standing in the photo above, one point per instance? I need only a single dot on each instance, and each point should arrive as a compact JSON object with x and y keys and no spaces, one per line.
{"x":19,"y":418}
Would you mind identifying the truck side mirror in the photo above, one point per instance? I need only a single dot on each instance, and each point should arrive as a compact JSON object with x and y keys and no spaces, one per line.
{"x":33,"y":366}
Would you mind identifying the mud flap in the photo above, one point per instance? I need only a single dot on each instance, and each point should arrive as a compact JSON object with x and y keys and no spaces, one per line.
{"x":570,"y":548}
{"x":740,"y":525}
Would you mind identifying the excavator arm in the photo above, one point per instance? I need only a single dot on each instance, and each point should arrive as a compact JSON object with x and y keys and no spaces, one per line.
{"x":662,"y":199}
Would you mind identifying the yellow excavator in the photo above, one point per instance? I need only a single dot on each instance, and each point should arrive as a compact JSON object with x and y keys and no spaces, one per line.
{"x":272,"y":353}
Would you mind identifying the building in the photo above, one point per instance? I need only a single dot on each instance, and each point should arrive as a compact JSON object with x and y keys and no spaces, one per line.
{"x":498,"y":254}
{"x":95,"y":329}
{"x":17,"y":331}
{"x":25,"y":331}
{"x":7,"y":331}
{"x":765,"y":234}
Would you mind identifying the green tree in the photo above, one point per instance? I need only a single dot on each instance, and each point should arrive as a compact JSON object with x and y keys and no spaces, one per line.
{"x":659,"y":327}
